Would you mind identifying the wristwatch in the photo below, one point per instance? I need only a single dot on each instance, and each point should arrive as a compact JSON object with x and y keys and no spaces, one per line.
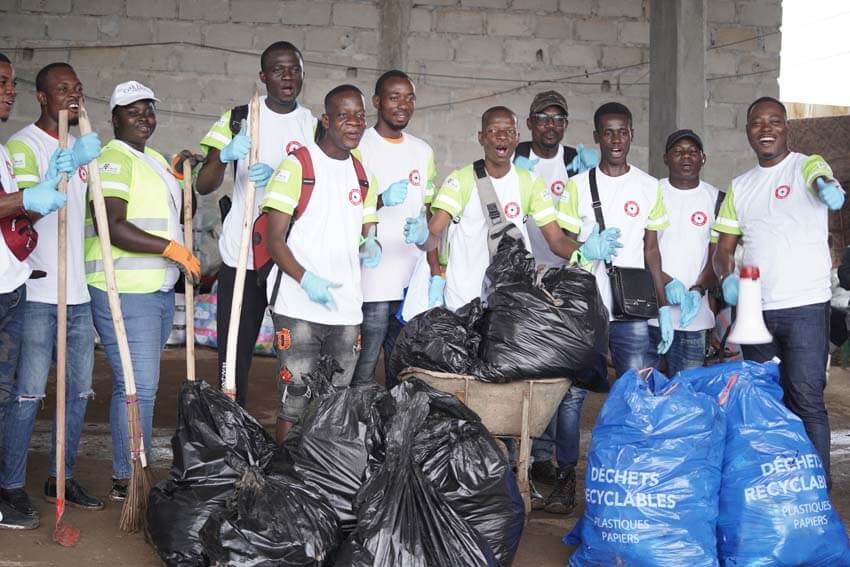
{"x":699,"y":289}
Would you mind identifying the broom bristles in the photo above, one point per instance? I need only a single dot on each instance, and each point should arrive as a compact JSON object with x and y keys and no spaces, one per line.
{"x":135,"y":505}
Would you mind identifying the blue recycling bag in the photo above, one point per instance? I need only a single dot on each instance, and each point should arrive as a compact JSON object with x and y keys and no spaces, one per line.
{"x":774,"y":506}
{"x":653,"y":477}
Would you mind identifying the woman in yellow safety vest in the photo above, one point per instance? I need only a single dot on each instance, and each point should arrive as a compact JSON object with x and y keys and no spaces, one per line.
{"x":143,"y":204}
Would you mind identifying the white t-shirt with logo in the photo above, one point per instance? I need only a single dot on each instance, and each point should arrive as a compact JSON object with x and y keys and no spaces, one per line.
{"x":784,"y":229}
{"x":15,"y":272}
{"x":632,"y":202}
{"x":554,"y":174}
{"x":31,"y":149}
{"x":326,"y":237}
{"x":684,"y":244}
{"x":279,"y":135}
{"x":411,"y":159}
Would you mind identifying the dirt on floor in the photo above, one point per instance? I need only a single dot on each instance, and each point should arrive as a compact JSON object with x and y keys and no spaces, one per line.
{"x":102,"y":543}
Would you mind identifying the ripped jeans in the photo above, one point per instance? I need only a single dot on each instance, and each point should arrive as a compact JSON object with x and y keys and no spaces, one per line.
{"x":38,"y":352}
{"x":299,"y":345}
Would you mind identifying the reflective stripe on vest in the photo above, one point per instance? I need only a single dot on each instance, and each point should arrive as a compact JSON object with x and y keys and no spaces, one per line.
{"x":148,"y":209}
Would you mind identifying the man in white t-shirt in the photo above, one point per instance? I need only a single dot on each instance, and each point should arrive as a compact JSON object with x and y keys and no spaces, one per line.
{"x":404,"y":167}
{"x":686,"y":249}
{"x":19,"y":239}
{"x":285,"y":125}
{"x":317,"y":310}
{"x":779,"y":211}
{"x":57,"y":88}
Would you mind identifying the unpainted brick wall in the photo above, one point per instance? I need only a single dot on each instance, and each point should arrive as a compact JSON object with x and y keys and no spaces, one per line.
{"x":455,"y":50}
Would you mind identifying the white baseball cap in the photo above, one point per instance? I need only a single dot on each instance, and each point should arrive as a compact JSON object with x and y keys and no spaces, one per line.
{"x":128,"y":93}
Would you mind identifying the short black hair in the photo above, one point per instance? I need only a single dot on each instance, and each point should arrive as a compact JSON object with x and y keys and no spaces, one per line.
{"x":391,"y":74}
{"x":278,"y":46}
{"x":611,"y":108}
{"x":766,"y":99}
{"x":4,"y":59}
{"x":493,"y":110}
{"x":41,"y":77}
{"x":336,"y":91}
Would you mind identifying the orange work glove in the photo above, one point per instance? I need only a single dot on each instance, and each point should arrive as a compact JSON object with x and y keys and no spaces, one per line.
{"x":185,"y":260}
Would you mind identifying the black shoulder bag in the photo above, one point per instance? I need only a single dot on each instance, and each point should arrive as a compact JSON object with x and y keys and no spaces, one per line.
{"x":632,"y":289}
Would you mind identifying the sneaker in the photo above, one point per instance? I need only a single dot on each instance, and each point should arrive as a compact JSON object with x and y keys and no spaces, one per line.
{"x":11,"y":519}
{"x":17,"y":498}
{"x":119,"y":490}
{"x":562,"y":500}
{"x":75,"y":495}
{"x":544,"y":472}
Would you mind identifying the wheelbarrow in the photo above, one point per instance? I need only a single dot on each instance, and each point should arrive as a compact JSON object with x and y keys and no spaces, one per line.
{"x":520,"y":409}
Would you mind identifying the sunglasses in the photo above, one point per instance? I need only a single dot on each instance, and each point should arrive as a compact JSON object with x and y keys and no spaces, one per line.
{"x":547,"y":119}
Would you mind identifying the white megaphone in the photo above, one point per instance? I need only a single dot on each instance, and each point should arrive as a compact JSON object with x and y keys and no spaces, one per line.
{"x":749,"y":327}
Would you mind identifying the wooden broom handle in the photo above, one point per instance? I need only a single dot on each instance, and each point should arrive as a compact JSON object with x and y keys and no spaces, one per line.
{"x":61,"y":318}
{"x":189,"y":289}
{"x":229,"y":386}
{"x":109,"y":272}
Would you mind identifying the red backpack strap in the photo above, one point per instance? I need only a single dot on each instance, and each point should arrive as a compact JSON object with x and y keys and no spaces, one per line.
{"x":308,"y":179}
{"x":362,"y":178}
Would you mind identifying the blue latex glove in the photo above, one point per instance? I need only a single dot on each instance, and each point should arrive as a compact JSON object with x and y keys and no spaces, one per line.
{"x":675,"y":292}
{"x":370,"y":252}
{"x":395,"y":193}
{"x":435,"y":291}
{"x":586,"y":158}
{"x":690,"y":307}
{"x":416,"y":230}
{"x":730,"y":289}
{"x":665,"y":326}
{"x":601,"y":246}
{"x":238,"y":147}
{"x":85,"y":149}
{"x":319,"y":290}
{"x":260,"y":174}
{"x":44,"y":198}
{"x":830,"y":193}
{"x":525,"y":163}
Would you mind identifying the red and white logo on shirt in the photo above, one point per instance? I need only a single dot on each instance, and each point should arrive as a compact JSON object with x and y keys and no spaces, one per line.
{"x":699,"y":218}
{"x":557,"y":188}
{"x":292,"y":146}
{"x":782,"y":191}
{"x":512,"y":210}
{"x":632,"y":209}
{"x":83,"y":174}
{"x":355,"y":196}
{"x":414,"y":177}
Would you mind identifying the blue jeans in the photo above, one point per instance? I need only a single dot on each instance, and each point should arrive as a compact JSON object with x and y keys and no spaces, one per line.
{"x":563,"y":432}
{"x":147,"y":318}
{"x":11,"y":327}
{"x":37,"y":356}
{"x":379,"y":328}
{"x":629,"y":343}
{"x":801,"y":341}
{"x":687,"y":350}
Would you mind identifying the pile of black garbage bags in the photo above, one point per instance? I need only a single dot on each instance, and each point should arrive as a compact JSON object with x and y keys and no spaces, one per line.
{"x":403,"y":478}
{"x":533,"y":324}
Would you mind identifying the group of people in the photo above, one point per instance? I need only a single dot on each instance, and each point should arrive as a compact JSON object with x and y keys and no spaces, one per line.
{"x":354,"y":215}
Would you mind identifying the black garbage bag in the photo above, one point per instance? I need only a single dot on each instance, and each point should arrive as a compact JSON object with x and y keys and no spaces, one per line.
{"x":440,"y":340}
{"x":548,"y":326}
{"x":175,"y":515}
{"x":334,"y":445}
{"x":464,"y":463}
{"x":272,"y":521}
{"x":402,"y":519}
{"x":215,"y":441}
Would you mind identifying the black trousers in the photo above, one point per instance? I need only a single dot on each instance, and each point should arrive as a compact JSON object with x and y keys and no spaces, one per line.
{"x":254,"y":305}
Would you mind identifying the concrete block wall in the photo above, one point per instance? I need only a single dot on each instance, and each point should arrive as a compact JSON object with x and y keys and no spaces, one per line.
{"x":460,"y":52}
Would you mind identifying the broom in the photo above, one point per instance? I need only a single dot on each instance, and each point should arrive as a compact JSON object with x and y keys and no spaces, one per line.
{"x":63,"y":534}
{"x":133,"y":512}
{"x":189,"y":289}
{"x":229,"y":385}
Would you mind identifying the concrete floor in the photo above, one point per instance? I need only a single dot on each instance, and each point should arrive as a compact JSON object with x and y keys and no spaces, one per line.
{"x":103,"y":544}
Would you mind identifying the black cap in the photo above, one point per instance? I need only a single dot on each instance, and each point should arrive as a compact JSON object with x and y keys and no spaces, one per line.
{"x":546,"y":99}
{"x":681,"y":135}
